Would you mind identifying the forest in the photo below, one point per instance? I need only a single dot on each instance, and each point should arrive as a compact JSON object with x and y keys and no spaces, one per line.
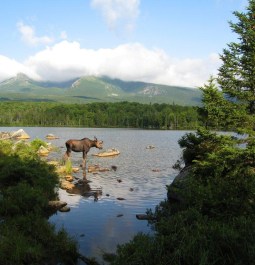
{"x":104,"y":115}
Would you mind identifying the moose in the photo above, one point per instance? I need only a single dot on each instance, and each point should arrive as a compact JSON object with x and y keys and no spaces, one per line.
{"x":83,"y":146}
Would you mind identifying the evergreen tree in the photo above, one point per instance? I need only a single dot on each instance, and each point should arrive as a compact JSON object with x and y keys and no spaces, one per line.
{"x":237,"y":74}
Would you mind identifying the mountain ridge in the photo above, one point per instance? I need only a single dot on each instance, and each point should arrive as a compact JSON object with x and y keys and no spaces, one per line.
{"x":91,"y":88}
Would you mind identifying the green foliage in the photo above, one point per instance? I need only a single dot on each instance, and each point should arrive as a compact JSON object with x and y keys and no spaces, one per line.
{"x":143,"y":249}
{"x":68,"y":166}
{"x":218,"y":112}
{"x":37,"y":143}
{"x":237,"y":73}
{"x":36,"y":173}
{"x":122,"y":114}
{"x":31,"y":239}
{"x":26,"y":186}
{"x":197,"y":145}
{"x":21,"y":199}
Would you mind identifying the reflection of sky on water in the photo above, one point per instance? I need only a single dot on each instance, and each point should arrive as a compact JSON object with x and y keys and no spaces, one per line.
{"x":95,"y":223}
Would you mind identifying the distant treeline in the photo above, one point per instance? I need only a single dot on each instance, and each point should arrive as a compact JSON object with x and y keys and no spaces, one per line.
{"x":118,"y":115}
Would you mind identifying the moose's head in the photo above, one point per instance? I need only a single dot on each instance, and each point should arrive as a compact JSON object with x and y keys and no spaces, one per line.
{"x":98,"y":143}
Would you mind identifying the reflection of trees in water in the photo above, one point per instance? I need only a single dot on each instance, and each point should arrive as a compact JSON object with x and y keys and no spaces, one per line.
{"x":85,"y":190}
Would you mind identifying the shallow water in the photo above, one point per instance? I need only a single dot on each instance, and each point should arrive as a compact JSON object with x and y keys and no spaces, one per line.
{"x":140,"y":179}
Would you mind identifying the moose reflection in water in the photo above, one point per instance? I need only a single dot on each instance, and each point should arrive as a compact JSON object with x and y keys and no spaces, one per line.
{"x":83,"y":146}
{"x":84,"y":189}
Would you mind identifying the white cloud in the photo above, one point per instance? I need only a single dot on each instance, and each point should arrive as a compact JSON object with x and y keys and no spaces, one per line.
{"x":118,"y":13}
{"x":131,"y":62}
{"x":10,"y":67}
{"x":29,"y":36}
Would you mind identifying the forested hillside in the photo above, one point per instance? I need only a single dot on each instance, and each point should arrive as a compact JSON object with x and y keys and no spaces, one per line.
{"x":122,"y":114}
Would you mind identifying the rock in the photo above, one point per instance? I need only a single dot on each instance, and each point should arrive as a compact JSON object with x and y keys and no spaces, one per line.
{"x":120,"y":215}
{"x":56,"y":204}
{"x":66,"y":185}
{"x":20,"y":134}
{"x":180,"y":182}
{"x":51,"y":136}
{"x":65,"y":209}
{"x":120,"y":199}
{"x":93,"y":168}
{"x":114,"y":168}
{"x":43,"y":151}
{"x":104,"y":169}
{"x":96,"y":168}
{"x":5,"y":135}
{"x":69,"y":178}
{"x":54,"y":163}
{"x":150,"y":147}
{"x":75,"y":169}
{"x":144,"y":217}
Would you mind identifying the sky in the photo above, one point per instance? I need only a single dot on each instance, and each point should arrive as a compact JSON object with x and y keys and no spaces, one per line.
{"x":171,"y":42}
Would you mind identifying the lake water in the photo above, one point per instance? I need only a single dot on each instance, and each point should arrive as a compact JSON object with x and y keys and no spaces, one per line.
{"x":140,"y":179}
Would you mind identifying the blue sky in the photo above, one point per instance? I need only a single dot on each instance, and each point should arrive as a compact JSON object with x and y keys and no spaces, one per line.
{"x":173,"y":42}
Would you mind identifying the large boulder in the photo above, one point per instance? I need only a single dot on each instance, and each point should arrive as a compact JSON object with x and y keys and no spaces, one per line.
{"x":178,"y":186}
{"x":19,"y":134}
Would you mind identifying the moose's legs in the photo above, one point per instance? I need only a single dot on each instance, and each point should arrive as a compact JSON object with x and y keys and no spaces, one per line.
{"x":68,"y":151}
{"x":67,"y":155}
{"x":84,"y":157}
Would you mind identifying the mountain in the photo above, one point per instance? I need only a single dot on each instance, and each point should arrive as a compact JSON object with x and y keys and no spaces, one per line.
{"x":100,"y":89}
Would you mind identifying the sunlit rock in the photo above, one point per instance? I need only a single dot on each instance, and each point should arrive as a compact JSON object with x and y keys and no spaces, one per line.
{"x":66,"y":185}
{"x":20,"y":134}
{"x":69,"y":178}
{"x":43,"y":151}
{"x":51,"y":136}
{"x":56,"y":204}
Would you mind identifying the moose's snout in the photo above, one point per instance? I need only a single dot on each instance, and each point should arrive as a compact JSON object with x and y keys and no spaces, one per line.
{"x":100,"y":145}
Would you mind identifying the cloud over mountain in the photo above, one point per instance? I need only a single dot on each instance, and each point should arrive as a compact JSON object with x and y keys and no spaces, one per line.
{"x":131,"y":62}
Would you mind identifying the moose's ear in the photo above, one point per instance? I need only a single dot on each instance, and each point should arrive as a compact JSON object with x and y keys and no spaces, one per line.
{"x":95,"y":138}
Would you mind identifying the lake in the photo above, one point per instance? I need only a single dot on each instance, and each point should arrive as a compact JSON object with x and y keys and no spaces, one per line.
{"x":142,"y":174}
